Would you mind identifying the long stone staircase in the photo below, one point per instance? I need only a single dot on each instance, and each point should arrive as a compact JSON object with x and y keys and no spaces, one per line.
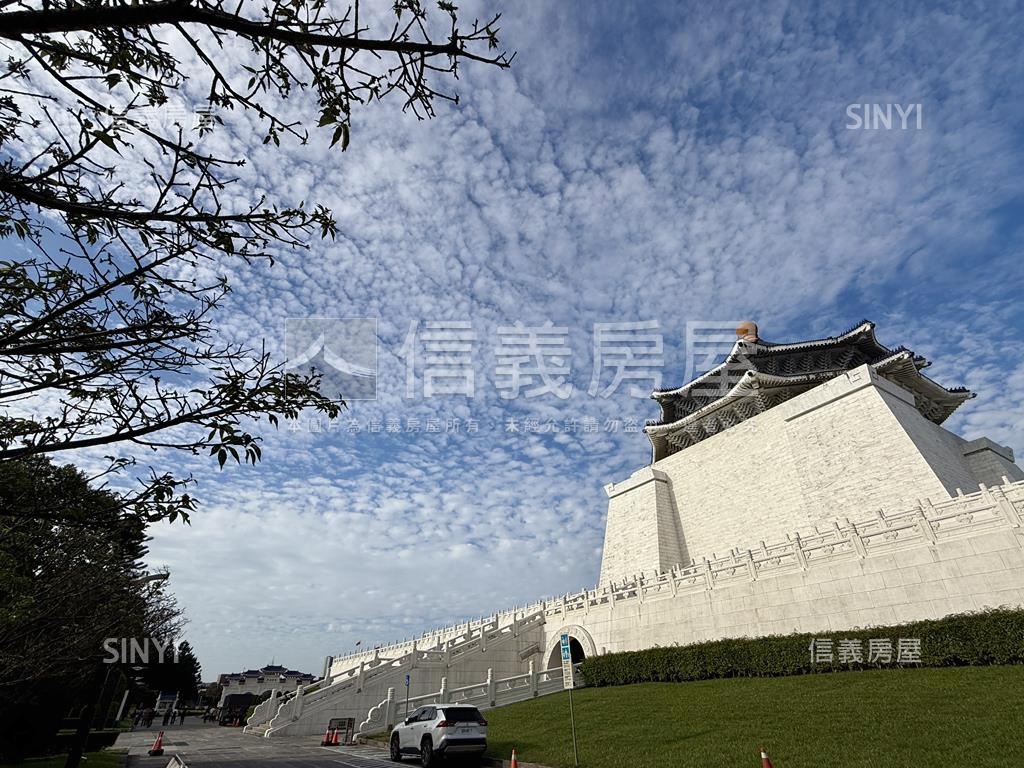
{"x":303,"y":711}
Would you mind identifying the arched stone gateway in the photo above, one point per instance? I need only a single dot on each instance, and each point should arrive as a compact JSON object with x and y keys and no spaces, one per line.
{"x":581,"y":645}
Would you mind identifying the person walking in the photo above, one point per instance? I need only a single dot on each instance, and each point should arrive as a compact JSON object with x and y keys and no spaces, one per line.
{"x":147,"y":717}
{"x":168,"y":714}
{"x":181,"y":717}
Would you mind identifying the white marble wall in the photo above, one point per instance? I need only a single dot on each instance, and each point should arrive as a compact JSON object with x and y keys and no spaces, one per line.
{"x":850,"y":446}
{"x":925,"y":561}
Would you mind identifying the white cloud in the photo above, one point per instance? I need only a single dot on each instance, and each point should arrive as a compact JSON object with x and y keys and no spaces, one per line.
{"x":644,"y":162}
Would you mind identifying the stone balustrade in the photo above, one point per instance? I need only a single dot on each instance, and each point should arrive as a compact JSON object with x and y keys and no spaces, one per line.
{"x":486,"y":694}
{"x":964,"y":514}
{"x":376,"y":671}
{"x":871,"y":538}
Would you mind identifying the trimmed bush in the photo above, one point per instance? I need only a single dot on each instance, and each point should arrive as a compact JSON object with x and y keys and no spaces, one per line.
{"x":970,"y":639}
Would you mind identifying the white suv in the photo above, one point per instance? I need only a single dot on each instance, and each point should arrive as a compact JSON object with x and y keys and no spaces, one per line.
{"x":437,"y":730}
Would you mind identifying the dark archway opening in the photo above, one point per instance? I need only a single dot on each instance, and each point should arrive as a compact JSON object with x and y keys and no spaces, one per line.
{"x":575,"y":649}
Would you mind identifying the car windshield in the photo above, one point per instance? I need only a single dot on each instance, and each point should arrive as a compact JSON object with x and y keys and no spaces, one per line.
{"x":462,"y":714}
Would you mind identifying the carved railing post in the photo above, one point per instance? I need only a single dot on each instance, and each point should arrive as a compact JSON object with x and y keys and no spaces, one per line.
{"x":444,"y":690}
{"x":359,"y":676}
{"x":798,"y":548}
{"x":533,"y":679}
{"x":1006,"y":507}
{"x":491,"y":692}
{"x":858,"y":542}
{"x":924,"y":524}
{"x":389,"y":710}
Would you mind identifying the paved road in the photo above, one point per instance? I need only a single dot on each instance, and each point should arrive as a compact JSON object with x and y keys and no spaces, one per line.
{"x":211,"y":745}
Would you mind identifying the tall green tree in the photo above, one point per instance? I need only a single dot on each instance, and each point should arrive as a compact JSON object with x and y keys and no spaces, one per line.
{"x":211,"y":694}
{"x":191,"y":672}
{"x":68,"y":582}
{"x":107,"y":311}
{"x":178,"y":671}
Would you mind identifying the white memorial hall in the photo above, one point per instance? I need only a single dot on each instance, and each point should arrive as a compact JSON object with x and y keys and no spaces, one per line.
{"x":798,"y":487}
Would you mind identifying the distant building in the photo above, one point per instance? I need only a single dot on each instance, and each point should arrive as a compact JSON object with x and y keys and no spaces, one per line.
{"x":258,"y":681}
{"x":166,"y":700}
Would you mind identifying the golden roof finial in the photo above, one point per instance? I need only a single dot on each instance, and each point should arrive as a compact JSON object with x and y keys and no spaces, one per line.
{"x":747,"y":331}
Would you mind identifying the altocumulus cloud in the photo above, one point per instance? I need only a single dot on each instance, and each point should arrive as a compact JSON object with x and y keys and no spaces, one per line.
{"x":641,"y":162}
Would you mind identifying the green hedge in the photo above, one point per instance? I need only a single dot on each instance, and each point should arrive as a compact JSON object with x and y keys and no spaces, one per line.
{"x":969,"y":639}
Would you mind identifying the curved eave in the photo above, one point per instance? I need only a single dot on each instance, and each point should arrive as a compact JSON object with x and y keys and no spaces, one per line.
{"x":742,"y":350}
{"x":734,"y":356}
{"x":865,"y":329}
{"x":751,"y":384}
{"x":936,"y":402}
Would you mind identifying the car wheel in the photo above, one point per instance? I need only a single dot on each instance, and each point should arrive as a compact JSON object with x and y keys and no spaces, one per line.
{"x":427,"y":753}
{"x":396,"y":749}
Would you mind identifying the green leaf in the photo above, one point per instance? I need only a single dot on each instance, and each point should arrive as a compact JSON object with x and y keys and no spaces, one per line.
{"x":107,"y":139}
{"x":341,"y":132}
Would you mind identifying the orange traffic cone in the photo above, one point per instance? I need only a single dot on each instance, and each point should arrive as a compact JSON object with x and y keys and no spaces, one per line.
{"x":765,"y":762}
{"x":336,"y":738}
{"x":158,"y":746}
{"x":326,"y":742}
{"x":514,"y":763}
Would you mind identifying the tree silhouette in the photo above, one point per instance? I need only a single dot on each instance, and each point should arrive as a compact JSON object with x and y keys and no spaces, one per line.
{"x":123,"y":224}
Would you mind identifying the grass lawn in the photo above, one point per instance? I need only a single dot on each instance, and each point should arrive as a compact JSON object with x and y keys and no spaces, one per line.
{"x":107,"y":758}
{"x":967,"y":716}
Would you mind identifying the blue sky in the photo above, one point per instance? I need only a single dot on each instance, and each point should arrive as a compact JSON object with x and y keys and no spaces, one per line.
{"x":641,"y":162}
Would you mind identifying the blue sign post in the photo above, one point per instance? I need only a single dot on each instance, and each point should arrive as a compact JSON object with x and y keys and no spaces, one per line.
{"x":568,"y":680}
{"x":408,"y":679}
